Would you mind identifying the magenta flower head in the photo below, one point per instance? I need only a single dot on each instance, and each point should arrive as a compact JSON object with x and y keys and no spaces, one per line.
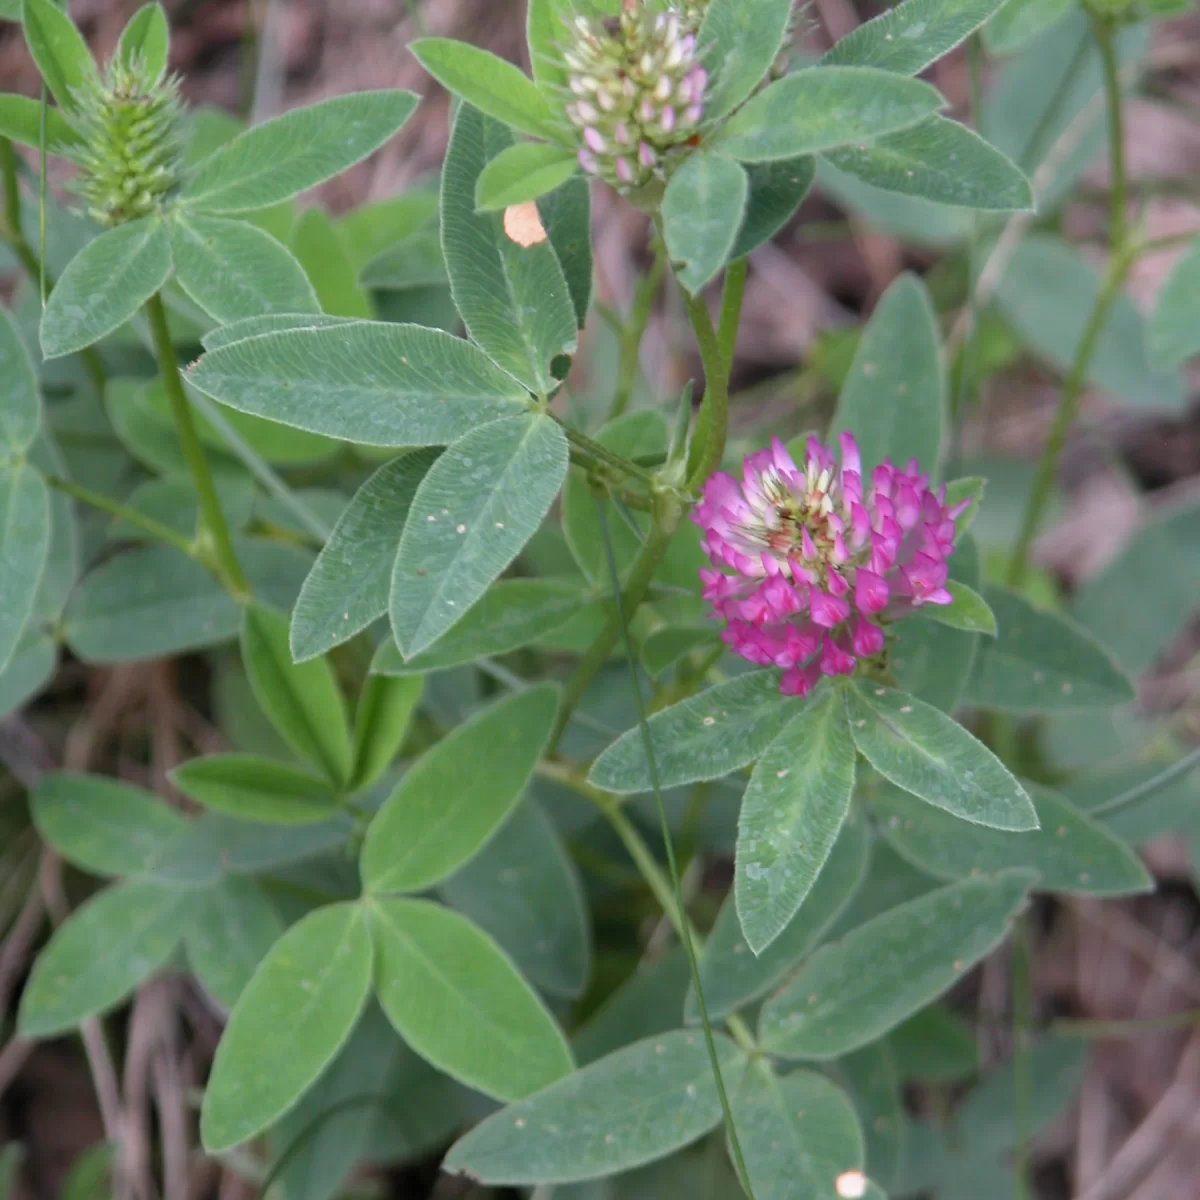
{"x":809,"y":564}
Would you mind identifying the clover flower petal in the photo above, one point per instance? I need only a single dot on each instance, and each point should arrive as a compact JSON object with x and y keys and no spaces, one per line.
{"x":807,"y":568}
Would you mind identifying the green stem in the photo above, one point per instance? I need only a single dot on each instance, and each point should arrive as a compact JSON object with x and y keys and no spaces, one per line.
{"x":668,"y":515}
{"x":647,"y":865}
{"x":602,"y":454}
{"x":1166,"y":777}
{"x":193,"y":452}
{"x":14,"y":236}
{"x":1118,"y":203}
{"x":635,"y":329}
{"x":156,"y":529}
{"x":1064,"y":417}
{"x":708,"y":444}
{"x":731,"y":311}
{"x":674,"y":900}
{"x":1133,"y":1028}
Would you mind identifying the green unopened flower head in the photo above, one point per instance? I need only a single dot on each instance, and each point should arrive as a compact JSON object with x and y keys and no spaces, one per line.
{"x":637,"y":89}
{"x":131,"y":125}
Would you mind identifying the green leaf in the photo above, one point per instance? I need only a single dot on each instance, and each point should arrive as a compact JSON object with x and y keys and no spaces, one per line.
{"x":1042,"y":662}
{"x":370,"y":228}
{"x":522,"y":890}
{"x":413,"y":262}
{"x":870,"y":1078}
{"x":1046,"y":295}
{"x":32,"y":666}
{"x":385,"y":711}
{"x":232,"y":930}
{"x":1174,"y":330}
{"x":792,"y":811}
{"x":1020,"y":21}
{"x":635,"y":1106}
{"x":942,"y":161}
{"x":24,"y":547}
{"x":740,"y":43}
{"x":545,"y":29}
{"x":932,"y":661}
{"x":102,"y":826}
{"x":1135,"y":622}
{"x":968,"y":611}
{"x":776,"y":192}
{"x":235,"y":271}
{"x":523,"y":172}
{"x":474,"y":510}
{"x":61,"y":54}
{"x":456,"y":796}
{"x":1069,"y":852}
{"x":325,"y":258}
{"x":667,"y":646}
{"x":290,"y":1020}
{"x":852,"y":991}
{"x":292,"y":153}
{"x":495,"y":87}
{"x":145,"y":41}
{"x":512,"y":613}
{"x":148,"y":603}
{"x":733,"y":977}
{"x":909,"y":36}
{"x":21,"y":120}
{"x":513,"y":299}
{"x":645,"y":1004}
{"x":934,"y":1045}
{"x":396,"y":385}
{"x":252,"y":327}
{"x":152,"y":602}
{"x":459,"y":1002}
{"x":566,"y":214}
{"x":894,"y":399}
{"x":702,"y":213}
{"x":821,"y":108}
{"x":153,"y":420}
{"x":302,"y":700}
{"x":256,"y":789}
{"x":704,"y":737}
{"x":926,"y":753}
{"x":100,"y":954}
{"x":214,"y":844}
{"x":105,"y":284}
{"x":347,"y":588}
{"x":957,"y":490}
{"x":377,"y":1102}
{"x":798,"y":1133}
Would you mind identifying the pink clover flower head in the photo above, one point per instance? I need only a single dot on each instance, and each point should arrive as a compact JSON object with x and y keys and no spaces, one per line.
{"x":809,"y":564}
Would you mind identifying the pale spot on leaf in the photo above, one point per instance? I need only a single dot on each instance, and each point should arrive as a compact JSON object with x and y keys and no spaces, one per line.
{"x":523,"y":225}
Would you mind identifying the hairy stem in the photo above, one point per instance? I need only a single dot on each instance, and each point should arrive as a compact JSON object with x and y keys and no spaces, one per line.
{"x":193,"y":452}
{"x":731,"y":311}
{"x":156,"y":529}
{"x":634,"y":330}
{"x":12,"y":233}
{"x":602,"y":454}
{"x":708,"y":444}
